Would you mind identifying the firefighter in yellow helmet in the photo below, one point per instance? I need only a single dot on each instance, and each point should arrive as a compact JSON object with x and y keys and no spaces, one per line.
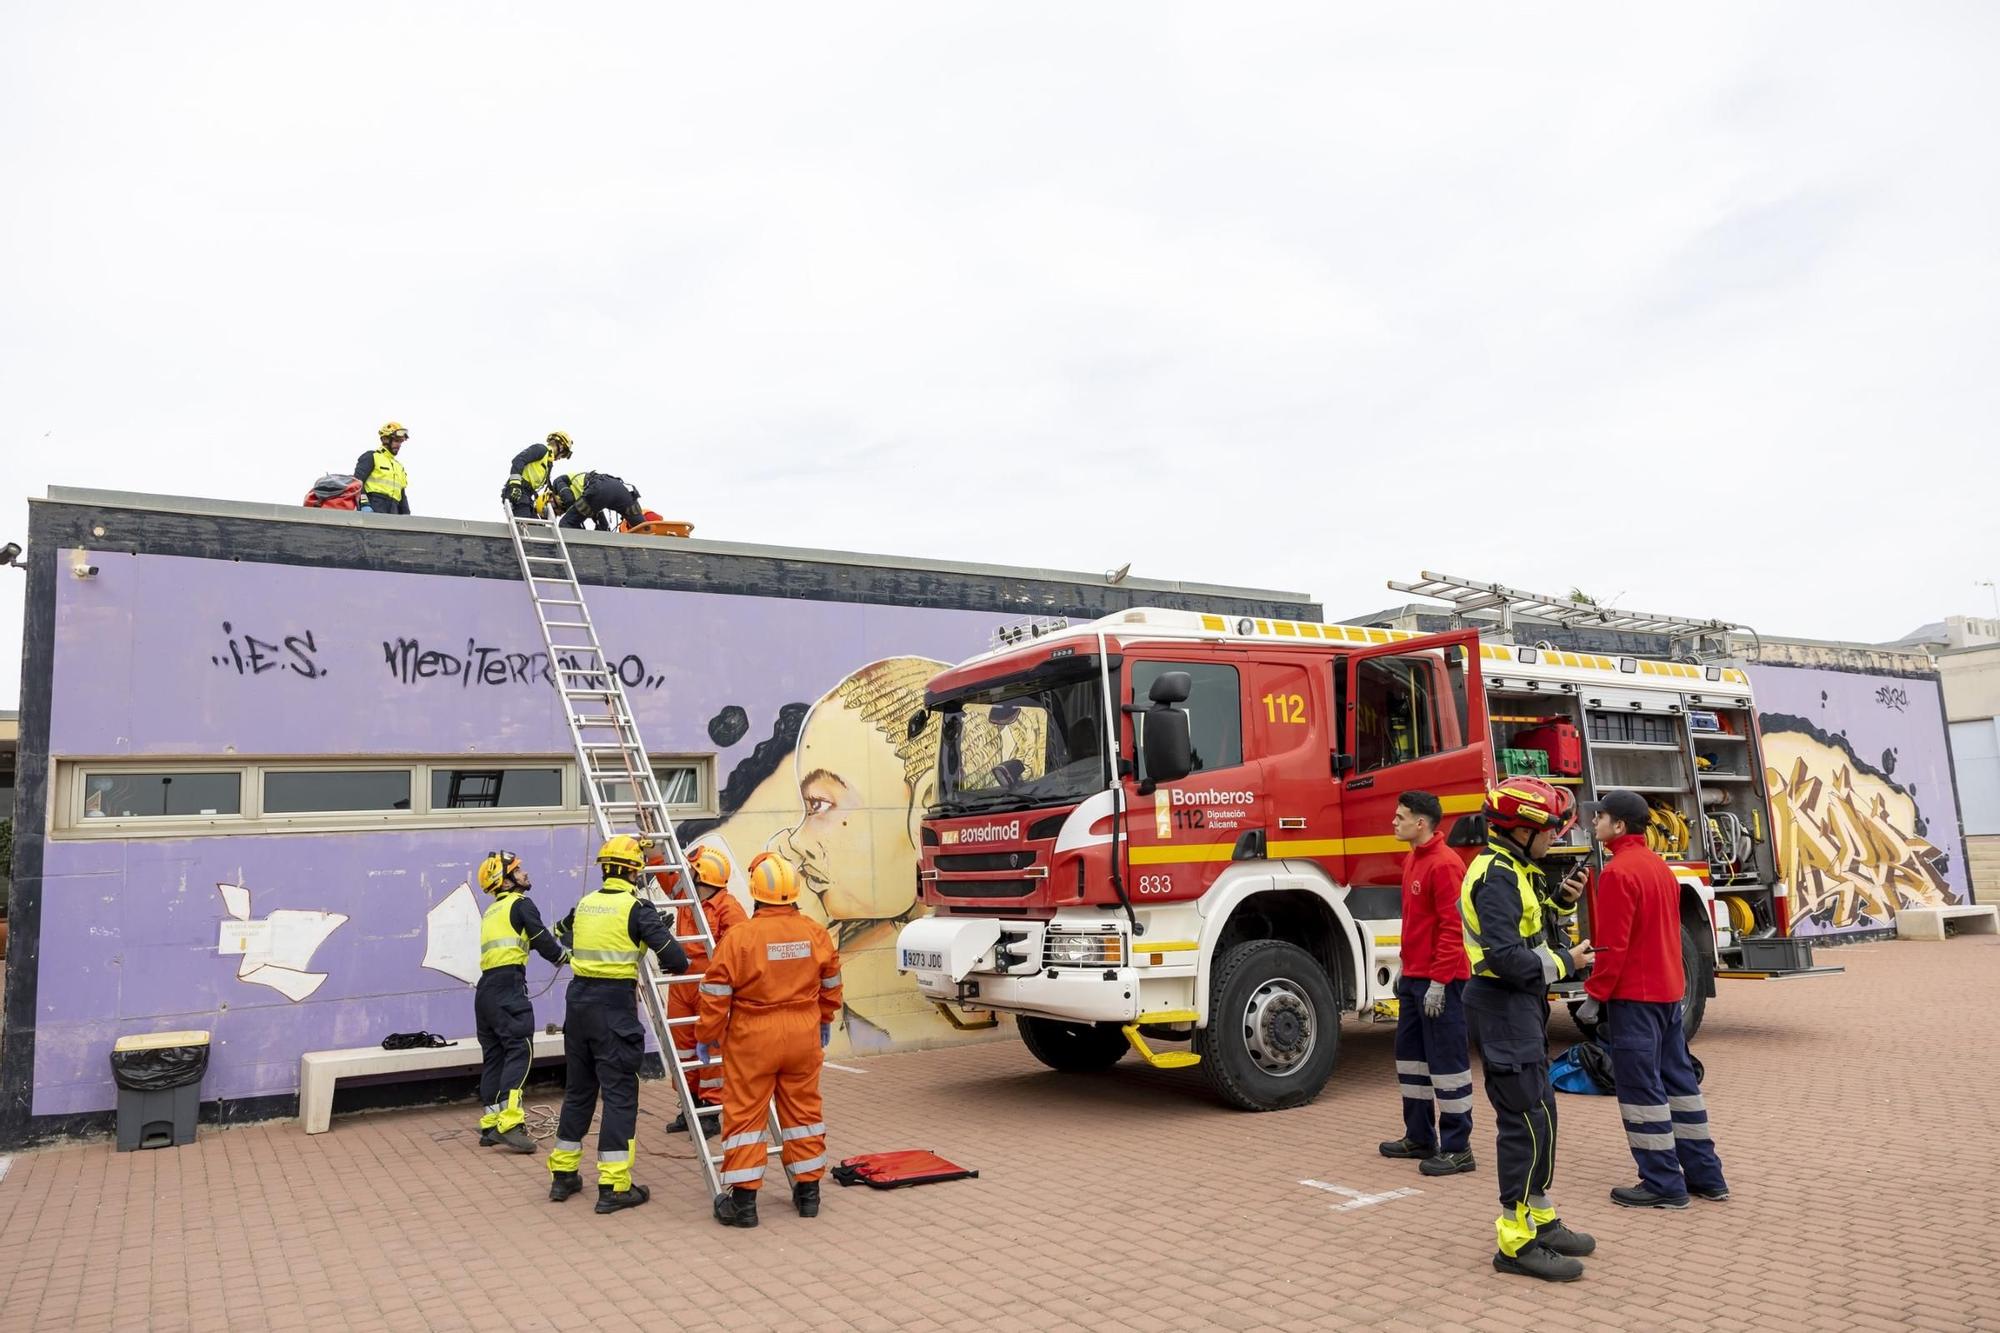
{"x":502,"y":1016}
{"x":608,"y":935}
{"x":530,"y":472}
{"x":768,"y":1003}
{"x":385,"y":486}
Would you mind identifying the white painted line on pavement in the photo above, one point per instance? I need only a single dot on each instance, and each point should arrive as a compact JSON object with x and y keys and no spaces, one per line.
{"x":1355,"y":1198}
{"x":5,"y":1164}
{"x":845,"y":1069}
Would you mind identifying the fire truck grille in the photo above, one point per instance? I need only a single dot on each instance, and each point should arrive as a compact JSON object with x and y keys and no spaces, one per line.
{"x":987,"y":888}
{"x":965,"y":861}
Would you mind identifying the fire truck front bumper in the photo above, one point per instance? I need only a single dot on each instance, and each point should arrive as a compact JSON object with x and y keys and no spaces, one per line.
{"x":1021,"y":967}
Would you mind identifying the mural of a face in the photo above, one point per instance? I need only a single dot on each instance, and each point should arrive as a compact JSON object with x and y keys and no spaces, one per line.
{"x":863,"y":785}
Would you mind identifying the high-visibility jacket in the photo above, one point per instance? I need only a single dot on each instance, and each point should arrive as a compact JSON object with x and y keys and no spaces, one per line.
{"x":610,"y":930}
{"x":386,"y":476}
{"x":511,"y":927}
{"x":501,"y":943}
{"x":1636,"y":918}
{"x":532,"y":465}
{"x":1501,"y":903}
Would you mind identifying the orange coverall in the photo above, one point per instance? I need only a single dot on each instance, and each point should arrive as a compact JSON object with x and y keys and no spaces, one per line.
{"x":769,"y":988}
{"x":724,"y":914}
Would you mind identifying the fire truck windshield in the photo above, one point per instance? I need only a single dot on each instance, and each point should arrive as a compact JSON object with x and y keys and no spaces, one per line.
{"x":1013,"y":744}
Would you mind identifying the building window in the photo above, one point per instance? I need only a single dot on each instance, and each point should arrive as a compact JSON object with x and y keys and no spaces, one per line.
{"x":327,"y":791}
{"x":120,"y":795}
{"x":496,"y":788}
{"x":687,"y":785}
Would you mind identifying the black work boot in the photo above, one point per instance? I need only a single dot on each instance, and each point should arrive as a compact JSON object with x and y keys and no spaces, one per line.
{"x":489,"y":1138}
{"x":738,"y":1208}
{"x":1713,"y":1193}
{"x":1538,"y":1260}
{"x":562,"y":1184}
{"x":805,"y":1198}
{"x":611,"y":1200}
{"x":516,"y":1140}
{"x":1408,"y":1148}
{"x":679,"y":1124}
{"x":1638,"y":1196}
{"x":1447,"y":1164}
{"x":1562,"y":1240}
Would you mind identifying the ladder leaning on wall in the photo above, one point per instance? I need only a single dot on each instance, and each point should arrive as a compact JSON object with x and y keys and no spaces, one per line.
{"x":617,"y":780}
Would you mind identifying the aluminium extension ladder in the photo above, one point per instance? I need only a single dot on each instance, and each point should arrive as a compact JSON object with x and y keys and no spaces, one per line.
{"x":618,"y":782}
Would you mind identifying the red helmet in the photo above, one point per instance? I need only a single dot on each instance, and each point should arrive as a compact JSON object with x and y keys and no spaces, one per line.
{"x":1529,"y":803}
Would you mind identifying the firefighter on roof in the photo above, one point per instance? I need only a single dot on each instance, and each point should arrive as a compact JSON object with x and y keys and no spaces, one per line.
{"x":530,"y":472}
{"x":768,"y":1004}
{"x":1433,"y":1062}
{"x":608,"y":935}
{"x":1513,"y":961}
{"x":723,"y":914}
{"x":597,"y":498}
{"x":503,"y":1018}
{"x":385,"y":486}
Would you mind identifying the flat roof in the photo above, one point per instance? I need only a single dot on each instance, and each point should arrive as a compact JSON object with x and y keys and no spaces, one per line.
{"x":457,"y":527}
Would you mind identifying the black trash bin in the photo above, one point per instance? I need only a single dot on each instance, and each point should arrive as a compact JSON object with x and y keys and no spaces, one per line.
{"x":159,"y":1087}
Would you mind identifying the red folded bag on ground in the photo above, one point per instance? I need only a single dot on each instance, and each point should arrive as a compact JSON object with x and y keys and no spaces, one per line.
{"x":894,"y":1170}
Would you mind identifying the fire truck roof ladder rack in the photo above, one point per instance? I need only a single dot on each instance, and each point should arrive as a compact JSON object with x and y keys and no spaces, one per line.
{"x":1699,"y":638}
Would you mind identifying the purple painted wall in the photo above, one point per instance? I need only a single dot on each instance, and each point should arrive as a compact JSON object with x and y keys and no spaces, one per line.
{"x":155,"y":656}
{"x":1873,"y":824}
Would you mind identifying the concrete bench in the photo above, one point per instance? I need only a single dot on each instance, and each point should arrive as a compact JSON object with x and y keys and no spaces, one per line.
{"x":1934,"y":923}
{"x":320,"y":1070}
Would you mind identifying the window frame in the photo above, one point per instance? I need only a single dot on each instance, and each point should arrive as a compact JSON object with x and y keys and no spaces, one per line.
{"x":1440,"y":690}
{"x":66,"y":823}
{"x":1234,"y":666}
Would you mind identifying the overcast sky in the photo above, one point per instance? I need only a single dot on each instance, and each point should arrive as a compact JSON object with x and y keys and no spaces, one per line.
{"x":1691,"y":306}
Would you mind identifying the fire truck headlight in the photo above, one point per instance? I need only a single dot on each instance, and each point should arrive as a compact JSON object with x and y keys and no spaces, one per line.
{"x":1067,"y":949}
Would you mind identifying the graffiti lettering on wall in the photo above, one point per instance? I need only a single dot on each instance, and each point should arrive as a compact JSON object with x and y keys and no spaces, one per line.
{"x":409,"y":662}
{"x":253,"y":656}
{"x":1850,"y":841}
{"x":1893,"y":696}
{"x":276,"y":950}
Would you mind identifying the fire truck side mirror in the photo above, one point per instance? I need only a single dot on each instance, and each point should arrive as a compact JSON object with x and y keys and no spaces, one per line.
{"x":1166,"y":745}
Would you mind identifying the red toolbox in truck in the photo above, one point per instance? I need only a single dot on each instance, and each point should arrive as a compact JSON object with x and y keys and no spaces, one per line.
{"x":1563,"y":743}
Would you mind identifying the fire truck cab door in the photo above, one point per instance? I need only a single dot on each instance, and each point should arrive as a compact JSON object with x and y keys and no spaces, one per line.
{"x":1415,"y":721}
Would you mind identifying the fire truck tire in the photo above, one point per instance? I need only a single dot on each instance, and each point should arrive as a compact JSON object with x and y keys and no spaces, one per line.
{"x":1273,"y":1034}
{"x":1073,"y":1048}
{"x":1699,"y":968}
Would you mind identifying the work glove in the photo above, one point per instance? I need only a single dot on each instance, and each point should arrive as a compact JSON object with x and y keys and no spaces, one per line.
{"x":1589,"y":1013}
{"x":825,"y":1034}
{"x":1434,"y":1000}
{"x":702,"y":1051}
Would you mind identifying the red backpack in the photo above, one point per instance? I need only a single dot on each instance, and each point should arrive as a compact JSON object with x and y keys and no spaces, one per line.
{"x":893,"y":1170}
{"x":335,"y":490}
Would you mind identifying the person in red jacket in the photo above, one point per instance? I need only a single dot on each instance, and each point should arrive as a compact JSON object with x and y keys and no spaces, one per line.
{"x":1641,"y":987}
{"x":1433,"y":1058}
{"x":770,"y":985}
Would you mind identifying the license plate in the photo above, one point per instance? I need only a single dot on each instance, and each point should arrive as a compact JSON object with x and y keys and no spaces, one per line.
{"x":922,"y":960}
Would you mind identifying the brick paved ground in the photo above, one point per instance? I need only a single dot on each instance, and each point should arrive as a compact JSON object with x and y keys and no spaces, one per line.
{"x":1853,"y":1114}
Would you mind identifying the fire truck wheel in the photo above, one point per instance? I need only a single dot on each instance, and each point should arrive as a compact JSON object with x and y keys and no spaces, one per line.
{"x":1698,"y":968}
{"x":1273,"y":1031}
{"x":1073,"y":1048}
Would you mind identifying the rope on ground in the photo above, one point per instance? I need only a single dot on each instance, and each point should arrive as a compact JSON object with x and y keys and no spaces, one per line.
{"x":540,"y":1122}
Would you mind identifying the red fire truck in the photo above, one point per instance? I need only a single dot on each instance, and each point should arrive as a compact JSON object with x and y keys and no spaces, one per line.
{"x":1172,"y":827}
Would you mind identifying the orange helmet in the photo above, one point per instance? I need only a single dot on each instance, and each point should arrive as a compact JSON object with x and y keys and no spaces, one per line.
{"x":710,"y":867}
{"x":773,"y":881}
{"x":1529,"y":803}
